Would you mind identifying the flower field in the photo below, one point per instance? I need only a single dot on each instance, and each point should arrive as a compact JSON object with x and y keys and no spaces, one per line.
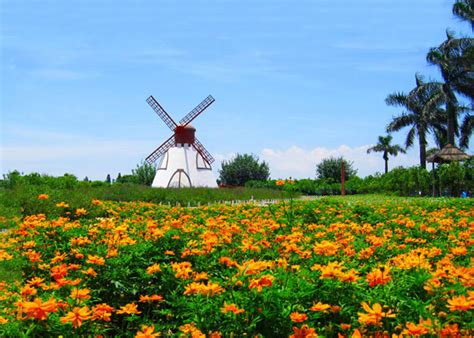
{"x":329,"y":267}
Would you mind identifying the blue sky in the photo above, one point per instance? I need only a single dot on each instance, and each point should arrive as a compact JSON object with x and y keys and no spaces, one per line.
{"x":294,"y":81}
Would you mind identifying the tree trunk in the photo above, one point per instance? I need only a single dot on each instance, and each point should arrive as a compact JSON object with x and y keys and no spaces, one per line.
{"x":385,"y":157}
{"x":422,"y":153}
{"x":450,"y":112}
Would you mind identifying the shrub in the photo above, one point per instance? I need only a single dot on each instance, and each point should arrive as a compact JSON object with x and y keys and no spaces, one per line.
{"x":241,"y":169}
{"x":330,"y":169}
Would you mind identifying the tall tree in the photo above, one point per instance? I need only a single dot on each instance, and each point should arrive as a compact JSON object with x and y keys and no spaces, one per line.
{"x":422,"y":111}
{"x":386,"y":148}
{"x":455,"y":60}
{"x":464,"y":10}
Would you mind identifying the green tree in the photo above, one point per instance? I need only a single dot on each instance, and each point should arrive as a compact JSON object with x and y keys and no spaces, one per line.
{"x":423,"y":112}
{"x":386,"y":148}
{"x":329,"y":169}
{"x":455,"y":60}
{"x":107,"y":179}
{"x":243,"y":168}
{"x":144,"y":173}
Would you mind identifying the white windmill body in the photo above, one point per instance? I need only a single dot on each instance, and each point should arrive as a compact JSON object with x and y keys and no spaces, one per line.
{"x":183,"y":160}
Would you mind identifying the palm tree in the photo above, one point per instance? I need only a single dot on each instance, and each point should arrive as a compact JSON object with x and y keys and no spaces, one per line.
{"x":464,"y":10}
{"x":455,"y":59}
{"x":386,"y":148}
{"x":423,"y":113}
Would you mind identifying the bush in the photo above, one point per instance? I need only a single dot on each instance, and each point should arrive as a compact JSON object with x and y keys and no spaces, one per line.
{"x":330,"y":169}
{"x":144,"y":173}
{"x":241,"y":169}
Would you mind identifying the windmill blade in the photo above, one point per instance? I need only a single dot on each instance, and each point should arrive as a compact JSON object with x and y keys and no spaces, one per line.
{"x":161,"y":113}
{"x":203,"y":152}
{"x":161,"y":150}
{"x":196,"y":111}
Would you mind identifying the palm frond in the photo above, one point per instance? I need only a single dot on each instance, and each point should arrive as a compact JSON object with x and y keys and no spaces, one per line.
{"x":467,"y":126}
{"x":397,"y":99}
{"x":400,"y":122}
{"x":410,"y":138}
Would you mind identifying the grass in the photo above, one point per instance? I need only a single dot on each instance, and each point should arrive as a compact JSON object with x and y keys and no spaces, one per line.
{"x":22,"y":199}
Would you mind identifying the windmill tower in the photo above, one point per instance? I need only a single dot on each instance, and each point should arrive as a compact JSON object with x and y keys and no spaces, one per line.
{"x":184,"y":160}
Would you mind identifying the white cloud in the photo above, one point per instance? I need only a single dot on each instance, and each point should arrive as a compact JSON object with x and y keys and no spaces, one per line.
{"x":301,"y":163}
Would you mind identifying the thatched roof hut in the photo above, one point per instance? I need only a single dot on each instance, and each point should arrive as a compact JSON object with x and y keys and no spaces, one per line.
{"x":449,"y":153}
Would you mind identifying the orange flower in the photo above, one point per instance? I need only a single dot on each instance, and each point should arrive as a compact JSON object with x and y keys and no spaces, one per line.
{"x":59,"y":271}
{"x":379,"y":276}
{"x":43,"y":196}
{"x":192,"y":330}
{"x":129,"y":309}
{"x":231,"y":308}
{"x":149,"y":299}
{"x":259,"y":283}
{"x":280,"y":182}
{"x":27,"y":290}
{"x":102,"y":312}
{"x":76,"y":316}
{"x":203,"y":289}
{"x":81,"y":212}
{"x":345,"y":326}
{"x":298,"y":317}
{"x":460,"y":303}
{"x":96,"y":202}
{"x":80,"y":293}
{"x":415,"y":330}
{"x":153,"y":269}
{"x":374,"y":315}
{"x":39,"y":310}
{"x":182,"y":270}
{"x":92,"y":259}
{"x":36,"y":281}
{"x":147,"y":332}
{"x":320,"y":307}
{"x":304,"y":332}
{"x":62,"y":205}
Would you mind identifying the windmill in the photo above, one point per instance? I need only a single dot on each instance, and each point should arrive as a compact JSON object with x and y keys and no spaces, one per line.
{"x":184,"y":160}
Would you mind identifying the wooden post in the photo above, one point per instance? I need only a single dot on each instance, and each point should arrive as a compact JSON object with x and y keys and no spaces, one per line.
{"x":343,"y":177}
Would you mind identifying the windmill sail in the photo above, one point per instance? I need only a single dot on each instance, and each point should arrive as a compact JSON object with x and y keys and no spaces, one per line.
{"x":204,"y":153}
{"x":161,"y":150}
{"x":161,"y":112}
{"x":196,"y":111}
